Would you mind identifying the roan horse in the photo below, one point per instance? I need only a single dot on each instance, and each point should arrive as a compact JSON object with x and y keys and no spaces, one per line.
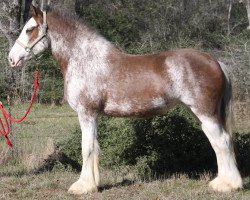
{"x":100,"y":79}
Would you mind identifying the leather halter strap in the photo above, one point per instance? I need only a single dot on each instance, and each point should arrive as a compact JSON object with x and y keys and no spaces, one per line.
{"x":28,"y":48}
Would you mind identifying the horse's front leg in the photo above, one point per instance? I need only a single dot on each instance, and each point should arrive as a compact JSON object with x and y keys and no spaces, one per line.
{"x":89,"y":178}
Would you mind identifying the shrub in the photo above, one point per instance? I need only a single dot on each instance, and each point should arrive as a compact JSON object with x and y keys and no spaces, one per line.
{"x":158,"y":146}
{"x":242,"y":151}
{"x":167,"y":144}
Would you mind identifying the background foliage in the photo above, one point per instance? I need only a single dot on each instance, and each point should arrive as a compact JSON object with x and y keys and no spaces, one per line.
{"x":163,"y":144}
{"x":146,"y":27}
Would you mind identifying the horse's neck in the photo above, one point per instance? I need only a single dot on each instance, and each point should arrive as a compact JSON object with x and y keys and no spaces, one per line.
{"x":74,"y":45}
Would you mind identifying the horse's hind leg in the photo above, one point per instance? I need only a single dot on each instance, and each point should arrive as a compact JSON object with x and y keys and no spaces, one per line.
{"x":228,"y":175}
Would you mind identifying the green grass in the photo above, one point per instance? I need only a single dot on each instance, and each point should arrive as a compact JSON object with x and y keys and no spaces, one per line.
{"x":47,"y":125}
{"x":33,"y":139}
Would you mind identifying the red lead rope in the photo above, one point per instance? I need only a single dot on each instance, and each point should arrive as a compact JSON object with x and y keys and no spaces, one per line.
{"x":7,"y":116}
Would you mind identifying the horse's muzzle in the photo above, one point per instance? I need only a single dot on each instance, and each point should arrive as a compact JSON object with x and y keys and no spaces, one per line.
{"x":15,"y":62}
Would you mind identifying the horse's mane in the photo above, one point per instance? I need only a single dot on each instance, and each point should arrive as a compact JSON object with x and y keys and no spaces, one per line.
{"x":66,"y":15}
{"x":72,"y":17}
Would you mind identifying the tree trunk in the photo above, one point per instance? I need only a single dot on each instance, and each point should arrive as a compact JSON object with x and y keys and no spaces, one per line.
{"x":26,"y":10}
{"x":10,"y":16}
{"x":78,"y":6}
{"x":229,"y":15}
{"x":247,"y":3}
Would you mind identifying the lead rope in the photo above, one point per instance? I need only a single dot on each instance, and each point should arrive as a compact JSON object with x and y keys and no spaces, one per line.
{"x":6,"y":116}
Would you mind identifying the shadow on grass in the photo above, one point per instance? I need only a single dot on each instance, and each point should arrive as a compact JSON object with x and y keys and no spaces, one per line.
{"x":242,"y":151}
{"x":58,"y":157}
{"x":123,"y":183}
{"x":175,"y":145}
{"x":170,"y":145}
{"x":247,"y":186}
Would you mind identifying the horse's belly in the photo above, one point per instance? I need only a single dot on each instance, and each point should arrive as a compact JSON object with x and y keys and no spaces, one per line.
{"x":137,"y":108}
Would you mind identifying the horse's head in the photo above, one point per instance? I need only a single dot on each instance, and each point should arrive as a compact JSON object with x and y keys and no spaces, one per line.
{"x":32,"y":40}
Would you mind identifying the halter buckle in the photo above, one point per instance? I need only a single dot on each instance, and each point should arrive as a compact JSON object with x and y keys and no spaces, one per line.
{"x":27,"y":49}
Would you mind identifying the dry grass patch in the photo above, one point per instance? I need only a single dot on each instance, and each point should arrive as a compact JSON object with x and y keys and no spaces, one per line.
{"x":115,"y":185}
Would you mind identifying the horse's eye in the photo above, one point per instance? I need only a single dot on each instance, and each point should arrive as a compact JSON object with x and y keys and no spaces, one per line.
{"x":29,"y":30}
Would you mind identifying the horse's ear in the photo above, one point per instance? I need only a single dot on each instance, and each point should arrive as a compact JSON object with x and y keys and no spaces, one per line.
{"x":37,"y":14}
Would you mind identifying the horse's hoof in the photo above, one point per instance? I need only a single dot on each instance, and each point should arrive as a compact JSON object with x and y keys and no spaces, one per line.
{"x":218,"y":184}
{"x":81,"y":187}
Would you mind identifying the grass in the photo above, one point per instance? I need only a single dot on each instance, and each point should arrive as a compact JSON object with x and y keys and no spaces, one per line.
{"x":48,"y":185}
{"x":47,"y":125}
{"x":53,"y":185}
{"x":34,"y":138}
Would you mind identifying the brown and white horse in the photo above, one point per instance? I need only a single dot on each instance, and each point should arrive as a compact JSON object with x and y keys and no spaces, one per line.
{"x":100,"y":79}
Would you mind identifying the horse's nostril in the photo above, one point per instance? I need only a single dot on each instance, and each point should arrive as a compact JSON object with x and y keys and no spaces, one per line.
{"x":12,"y":62}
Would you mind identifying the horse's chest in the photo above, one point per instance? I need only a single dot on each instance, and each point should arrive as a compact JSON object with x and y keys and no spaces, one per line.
{"x":80,"y":90}
{"x":73,"y":95}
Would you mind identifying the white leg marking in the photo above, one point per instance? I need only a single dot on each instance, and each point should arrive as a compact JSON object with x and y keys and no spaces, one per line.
{"x":96,"y":163}
{"x":89,"y":178}
{"x":228,"y":175}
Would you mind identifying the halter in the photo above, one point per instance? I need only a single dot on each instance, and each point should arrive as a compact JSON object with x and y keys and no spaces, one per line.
{"x":28,"y":48}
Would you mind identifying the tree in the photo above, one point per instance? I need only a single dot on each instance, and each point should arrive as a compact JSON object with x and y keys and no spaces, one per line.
{"x":247,"y":4}
{"x":67,"y":5}
{"x":26,"y":10}
{"x":10,"y":15}
{"x":10,"y":19}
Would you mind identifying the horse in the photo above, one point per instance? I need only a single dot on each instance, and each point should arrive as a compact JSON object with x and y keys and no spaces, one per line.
{"x":100,"y":79}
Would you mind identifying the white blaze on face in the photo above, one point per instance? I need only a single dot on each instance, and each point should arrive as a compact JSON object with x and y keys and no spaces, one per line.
{"x":18,"y":53}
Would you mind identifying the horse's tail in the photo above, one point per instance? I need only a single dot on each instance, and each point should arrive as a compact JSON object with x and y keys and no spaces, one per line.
{"x":226,"y":103}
